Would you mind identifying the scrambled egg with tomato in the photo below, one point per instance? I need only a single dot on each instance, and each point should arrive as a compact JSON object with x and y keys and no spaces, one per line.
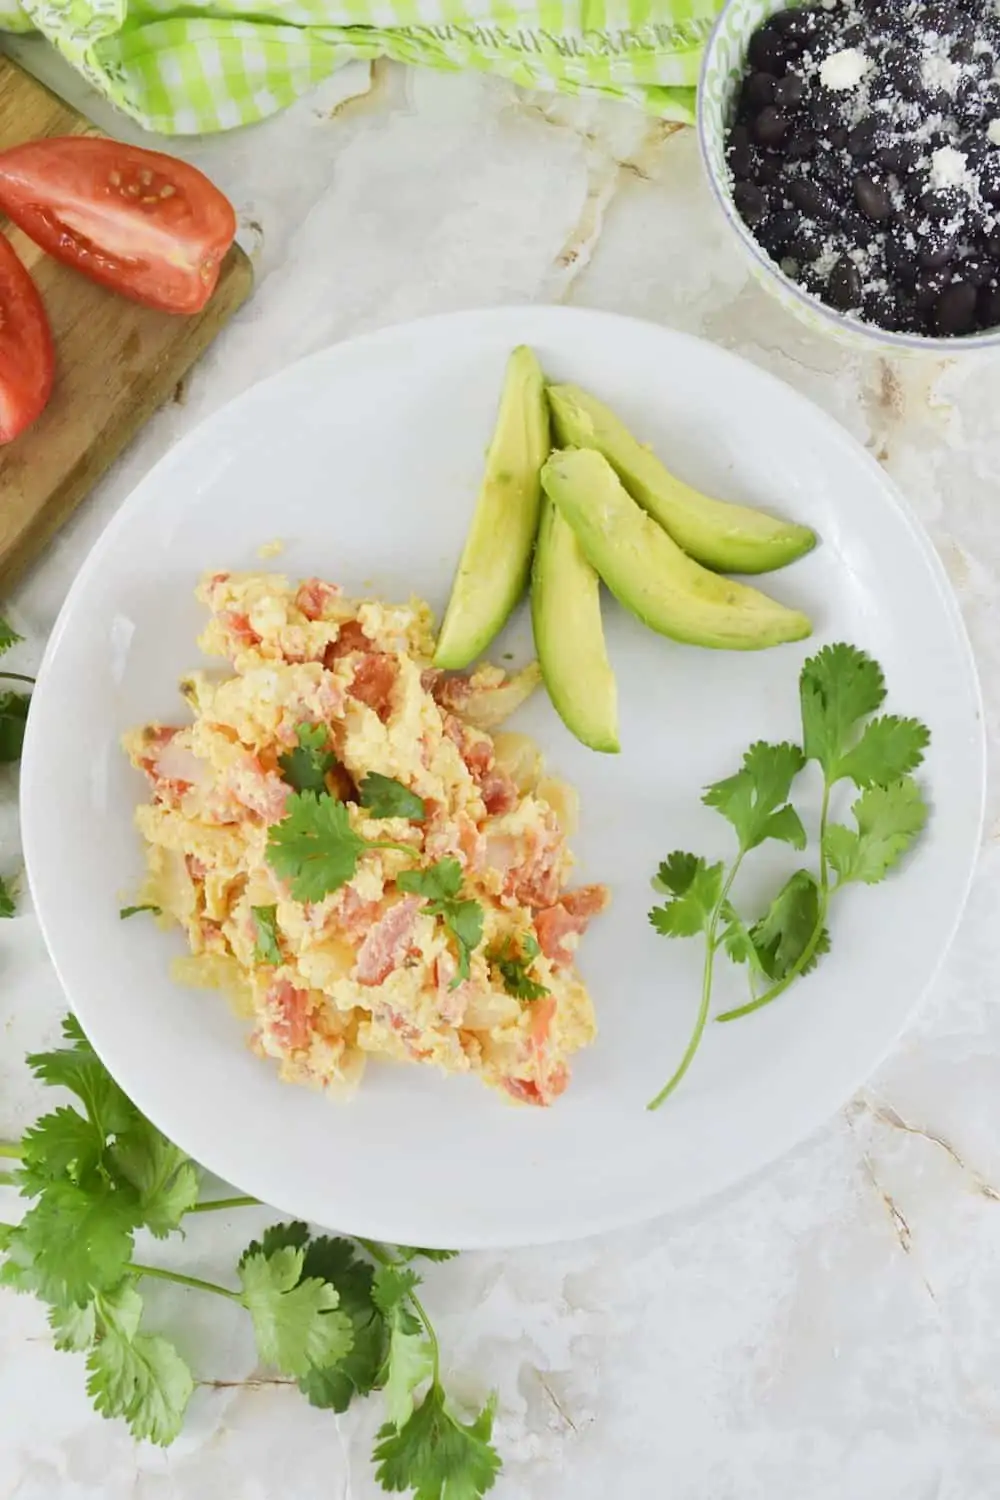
{"x":324,"y":692}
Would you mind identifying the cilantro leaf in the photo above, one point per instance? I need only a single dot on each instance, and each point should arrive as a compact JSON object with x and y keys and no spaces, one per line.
{"x":407,"y":1253}
{"x":440,"y":884}
{"x":736,"y":938}
{"x":392,"y":1287}
{"x":166,"y":1181}
{"x":783,"y":932}
{"x":13,"y":717}
{"x":267,"y":949}
{"x":8,"y":637}
{"x":305,"y":768}
{"x":314,"y":847}
{"x":409,"y":1359}
{"x":62,"y":1143}
{"x":277,"y":1237}
{"x":134,"y":1375}
{"x":513,"y":969}
{"x":386,"y":798}
{"x":74,"y":1327}
{"x":8,"y":903}
{"x":889,"y":748}
{"x":133,"y":911}
{"x":77,"y":1239}
{"x":437,"y":1456}
{"x":695,"y":887}
{"x":296,"y":1323}
{"x":79,"y":1069}
{"x":838,"y":687}
{"x":755,"y":800}
{"x":334,"y":1386}
{"x":889,"y":819}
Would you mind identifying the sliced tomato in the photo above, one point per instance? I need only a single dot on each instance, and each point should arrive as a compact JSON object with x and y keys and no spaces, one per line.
{"x":27,"y":358}
{"x":146,"y":225}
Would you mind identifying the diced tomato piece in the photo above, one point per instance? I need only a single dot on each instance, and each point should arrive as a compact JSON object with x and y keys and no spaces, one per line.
{"x":387,"y":943}
{"x":289,"y":1012}
{"x":350,"y":638}
{"x":374,"y":681}
{"x":314,"y":596}
{"x":570,"y":915}
{"x":499,"y":793}
{"x":238,"y":625}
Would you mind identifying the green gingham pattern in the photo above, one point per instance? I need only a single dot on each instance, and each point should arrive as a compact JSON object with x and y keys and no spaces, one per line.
{"x":183,"y":69}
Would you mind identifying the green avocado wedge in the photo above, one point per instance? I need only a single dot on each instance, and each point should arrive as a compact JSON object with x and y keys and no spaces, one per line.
{"x":493,"y":571}
{"x":727,"y":538}
{"x":650,"y":575}
{"x":569,"y":635}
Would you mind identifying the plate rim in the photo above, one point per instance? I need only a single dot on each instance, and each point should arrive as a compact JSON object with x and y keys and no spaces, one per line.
{"x":589,"y":1220}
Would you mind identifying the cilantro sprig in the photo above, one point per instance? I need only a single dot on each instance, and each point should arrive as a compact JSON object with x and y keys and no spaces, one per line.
{"x":441,"y":884}
{"x":841,"y":688}
{"x":305,"y":768}
{"x":341,"y":1317}
{"x":315,"y":848}
{"x":513,"y":964}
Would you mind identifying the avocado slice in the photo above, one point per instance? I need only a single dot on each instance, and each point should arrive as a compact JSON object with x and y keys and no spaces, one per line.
{"x":493,"y":570}
{"x":569,"y":636}
{"x":727,"y":538}
{"x":648,"y":572}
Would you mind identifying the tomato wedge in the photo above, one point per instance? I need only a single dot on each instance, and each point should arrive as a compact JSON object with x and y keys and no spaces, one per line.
{"x":147,"y":225}
{"x":27,"y":358}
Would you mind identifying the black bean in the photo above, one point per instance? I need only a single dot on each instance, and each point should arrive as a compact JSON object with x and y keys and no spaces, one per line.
{"x":839,"y":137}
{"x":956,"y":309}
{"x":989,"y":178}
{"x":844,"y":286}
{"x":789,"y":91}
{"x":937,"y":249}
{"x":767,"y":50}
{"x":947,"y":205}
{"x":967,"y":105}
{"x":826,"y":110}
{"x":901,"y":257}
{"x":801,"y":23}
{"x":993,"y":245}
{"x":861,"y":141}
{"x":805,"y":246}
{"x":930,"y":285}
{"x":975,"y":271}
{"x":740,"y":152}
{"x":800,"y":143}
{"x":750,"y":202}
{"x":881,"y":309}
{"x":899,"y":158}
{"x":872,"y":198}
{"x":811,"y":199}
{"x":759,"y":90}
{"x":988,"y":307}
{"x":771,"y":126}
{"x":859,"y":229}
{"x":769,"y":170}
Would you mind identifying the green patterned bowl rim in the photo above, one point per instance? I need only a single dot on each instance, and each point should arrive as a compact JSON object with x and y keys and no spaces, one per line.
{"x":721,"y":70}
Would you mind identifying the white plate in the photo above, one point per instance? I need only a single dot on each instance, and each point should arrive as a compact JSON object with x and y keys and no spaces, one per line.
{"x":366,"y":459}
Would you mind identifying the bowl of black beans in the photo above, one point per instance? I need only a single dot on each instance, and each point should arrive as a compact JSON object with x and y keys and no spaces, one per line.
{"x":854,"y":147}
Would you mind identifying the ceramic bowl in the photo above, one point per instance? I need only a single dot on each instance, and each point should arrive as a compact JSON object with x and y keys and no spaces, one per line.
{"x":721,"y":75}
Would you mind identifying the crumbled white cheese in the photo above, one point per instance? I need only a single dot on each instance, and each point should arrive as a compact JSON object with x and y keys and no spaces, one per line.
{"x":940,"y":74}
{"x":949,"y":169}
{"x":993,"y":132}
{"x":843,"y":70}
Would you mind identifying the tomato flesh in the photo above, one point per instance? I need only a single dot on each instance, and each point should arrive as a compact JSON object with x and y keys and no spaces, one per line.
{"x":147,"y":225}
{"x":27,"y":358}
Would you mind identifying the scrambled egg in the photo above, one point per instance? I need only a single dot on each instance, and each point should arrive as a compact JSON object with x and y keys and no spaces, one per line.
{"x":367,"y":970}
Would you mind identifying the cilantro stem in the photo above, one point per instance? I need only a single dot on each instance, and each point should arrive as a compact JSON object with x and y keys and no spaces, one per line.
{"x":16,"y":677}
{"x":10,"y":1148}
{"x":193,"y":1281}
{"x":711,"y":943}
{"x":244,"y":1200}
{"x":379,"y":1254}
{"x":388,"y":844}
{"x":804,"y":958}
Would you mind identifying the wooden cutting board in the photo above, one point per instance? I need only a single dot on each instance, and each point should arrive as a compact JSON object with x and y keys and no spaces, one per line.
{"x":116,"y":362}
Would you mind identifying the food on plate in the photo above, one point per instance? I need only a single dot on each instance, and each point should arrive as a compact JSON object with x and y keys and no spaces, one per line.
{"x":360,"y":865}
{"x":493,"y":570}
{"x":147,"y":225}
{"x":649,"y":574}
{"x":27,"y":358}
{"x":729,"y":538}
{"x":840,"y":689}
{"x":864,"y":159}
{"x":569,"y":635}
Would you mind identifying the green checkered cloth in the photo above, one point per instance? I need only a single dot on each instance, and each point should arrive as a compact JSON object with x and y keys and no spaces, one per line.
{"x":187,"y":68}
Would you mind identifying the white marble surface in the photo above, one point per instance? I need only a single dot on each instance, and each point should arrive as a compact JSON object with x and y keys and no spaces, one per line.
{"x":830,"y":1329}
